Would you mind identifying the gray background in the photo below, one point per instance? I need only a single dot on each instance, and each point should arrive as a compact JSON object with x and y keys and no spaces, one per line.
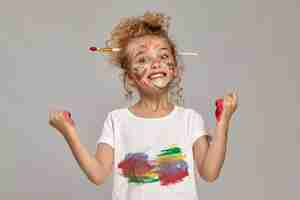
{"x":252,"y":46}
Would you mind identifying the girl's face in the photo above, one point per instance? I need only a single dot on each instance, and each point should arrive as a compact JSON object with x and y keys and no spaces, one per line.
{"x":148,"y":55}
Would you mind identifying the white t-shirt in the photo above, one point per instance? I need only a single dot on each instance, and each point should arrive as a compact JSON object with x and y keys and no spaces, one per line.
{"x":153,"y":157}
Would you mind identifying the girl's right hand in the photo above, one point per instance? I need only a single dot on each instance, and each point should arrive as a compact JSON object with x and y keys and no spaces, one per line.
{"x":58,"y":120}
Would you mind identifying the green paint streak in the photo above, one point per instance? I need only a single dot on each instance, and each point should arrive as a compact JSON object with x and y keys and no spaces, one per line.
{"x":170,"y":151}
{"x":142,"y":179}
{"x":171,"y":155}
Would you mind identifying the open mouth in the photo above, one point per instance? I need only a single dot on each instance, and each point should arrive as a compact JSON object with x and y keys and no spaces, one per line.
{"x":157,"y":75}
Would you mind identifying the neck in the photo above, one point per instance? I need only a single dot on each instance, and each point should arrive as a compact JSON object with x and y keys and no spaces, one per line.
{"x":154,"y":103}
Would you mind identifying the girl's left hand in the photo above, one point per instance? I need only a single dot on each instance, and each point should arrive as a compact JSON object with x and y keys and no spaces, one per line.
{"x":230,"y":103}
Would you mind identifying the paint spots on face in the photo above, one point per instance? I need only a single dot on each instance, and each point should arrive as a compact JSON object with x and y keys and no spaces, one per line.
{"x":150,"y":54}
{"x":165,"y":65}
{"x":169,"y":167}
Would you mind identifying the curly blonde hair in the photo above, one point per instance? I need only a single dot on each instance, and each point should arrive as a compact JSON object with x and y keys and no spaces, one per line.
{"x":151,"y":23}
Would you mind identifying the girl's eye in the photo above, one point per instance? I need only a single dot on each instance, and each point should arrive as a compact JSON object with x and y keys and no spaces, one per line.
{"x":141,"y":60}
{"x":165,"y":56}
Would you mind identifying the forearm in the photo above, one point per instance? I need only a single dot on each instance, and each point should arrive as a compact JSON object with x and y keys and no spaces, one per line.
{"x":93,"y":168}
{"x":216,"y":152}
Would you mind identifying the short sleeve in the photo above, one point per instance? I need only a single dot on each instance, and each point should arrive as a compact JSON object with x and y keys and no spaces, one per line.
{"x":197,"y":127}
{"x":108,"y":132}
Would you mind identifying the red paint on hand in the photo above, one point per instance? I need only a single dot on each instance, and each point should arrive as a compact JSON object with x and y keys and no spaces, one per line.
{"x":67,"y":115}
{"x":219,"y":109}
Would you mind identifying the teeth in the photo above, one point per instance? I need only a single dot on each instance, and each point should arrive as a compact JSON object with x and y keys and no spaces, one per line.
{"x":157,"y":75}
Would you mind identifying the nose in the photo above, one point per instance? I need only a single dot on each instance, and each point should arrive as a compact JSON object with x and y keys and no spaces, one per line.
{"x":155,"y":64}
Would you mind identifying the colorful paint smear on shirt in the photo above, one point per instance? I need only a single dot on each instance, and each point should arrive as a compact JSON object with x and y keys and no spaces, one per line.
{"x":169,"y":167}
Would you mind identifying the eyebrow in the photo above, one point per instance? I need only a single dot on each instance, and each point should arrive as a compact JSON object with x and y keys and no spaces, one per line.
{"x":141,"y":52}
{"x":138,"y":53}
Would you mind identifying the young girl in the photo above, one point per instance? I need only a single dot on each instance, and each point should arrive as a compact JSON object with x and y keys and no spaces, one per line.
{"x":154,"y":147}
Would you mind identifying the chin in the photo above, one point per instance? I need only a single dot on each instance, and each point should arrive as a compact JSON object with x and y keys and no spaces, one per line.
{"x":153,"y":91}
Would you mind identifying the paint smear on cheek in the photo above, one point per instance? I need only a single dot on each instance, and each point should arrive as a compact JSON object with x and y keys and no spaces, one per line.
{"x":145,"y":81}
{"x":166,"y":64}
{"x":169,"y":65}
{"x":140,"y":77}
